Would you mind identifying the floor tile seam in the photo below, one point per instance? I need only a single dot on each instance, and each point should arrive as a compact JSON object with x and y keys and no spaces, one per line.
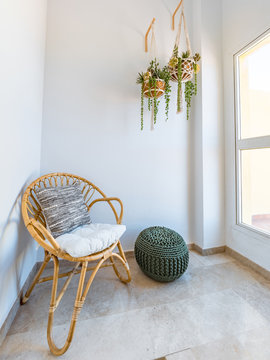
{"x":254,"y":281}
{"x":219,"y":339}
{"x":267,"y":322}
{"x":256,"y":310}
{"x":183,"y":300}
{"x":207,"y":265}
{"x":173,"y":353}
{"x":151,"y":306}
{"x":211,"y":265}
{"x":202,"y":264}
{"x":235,"y":335}
{"x":132,"y":310}
{"x":148,"y":307}
{"x":80,"y":320}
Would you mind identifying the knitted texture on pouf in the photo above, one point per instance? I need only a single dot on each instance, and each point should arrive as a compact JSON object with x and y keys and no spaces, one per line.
{"x":161,"y":253}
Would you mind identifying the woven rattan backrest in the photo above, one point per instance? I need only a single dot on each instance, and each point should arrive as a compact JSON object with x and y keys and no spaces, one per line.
{"x":30,"y":205}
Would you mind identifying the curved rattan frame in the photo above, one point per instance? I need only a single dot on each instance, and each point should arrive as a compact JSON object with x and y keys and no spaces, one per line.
{"x":35,"y":223}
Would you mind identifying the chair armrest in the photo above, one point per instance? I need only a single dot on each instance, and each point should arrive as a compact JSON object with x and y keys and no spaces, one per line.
{"x":35,"y":227}
{"x":108,"y":200}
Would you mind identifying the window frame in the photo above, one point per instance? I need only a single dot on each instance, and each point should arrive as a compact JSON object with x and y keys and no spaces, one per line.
{"x":261,"y":142}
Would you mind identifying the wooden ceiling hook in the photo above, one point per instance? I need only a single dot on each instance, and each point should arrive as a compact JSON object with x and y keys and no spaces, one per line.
{"x":146,"y":35}
{"x":175,"y":11}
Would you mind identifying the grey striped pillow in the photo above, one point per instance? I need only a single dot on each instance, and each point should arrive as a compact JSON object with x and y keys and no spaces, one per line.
{"x":63,"y":207}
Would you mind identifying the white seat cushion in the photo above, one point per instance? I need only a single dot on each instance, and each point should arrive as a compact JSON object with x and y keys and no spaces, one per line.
{"x":89,"y":239}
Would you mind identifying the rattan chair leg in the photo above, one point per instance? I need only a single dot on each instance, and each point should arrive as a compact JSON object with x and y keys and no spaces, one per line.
{"x":125,"y":265}
{"x":76,"y":310}
{"x":36,"y":278}
{"x":80,"y":298}
{"x":89,"y":283}
{"x":123,"y":260}
{"x":121,"y":251}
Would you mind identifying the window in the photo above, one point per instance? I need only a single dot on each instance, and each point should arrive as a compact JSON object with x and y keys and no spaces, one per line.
{"x":252,"y":99}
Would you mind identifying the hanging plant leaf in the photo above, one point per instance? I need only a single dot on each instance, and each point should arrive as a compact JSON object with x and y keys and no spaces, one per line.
{"x":189,"y":92}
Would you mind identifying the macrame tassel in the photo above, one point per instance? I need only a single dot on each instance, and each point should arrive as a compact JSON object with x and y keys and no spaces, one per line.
{"x":180,"y":103}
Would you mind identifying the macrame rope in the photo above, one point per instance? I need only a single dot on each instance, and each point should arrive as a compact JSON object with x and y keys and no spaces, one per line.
{"x":153,"y":55}
{"x":178,"y":36}
{"x":177,"y":39}
{"x":186,"y":32}
{"x":153,"y":45}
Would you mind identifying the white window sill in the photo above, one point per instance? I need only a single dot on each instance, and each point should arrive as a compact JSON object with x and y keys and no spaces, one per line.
{"x":253,"y":233}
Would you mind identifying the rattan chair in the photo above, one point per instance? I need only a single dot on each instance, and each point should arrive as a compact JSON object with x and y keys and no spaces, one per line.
{"x":35,"y":222}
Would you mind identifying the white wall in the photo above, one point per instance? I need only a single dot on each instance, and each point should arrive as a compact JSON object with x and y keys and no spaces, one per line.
{"x":243,"y":21}
{"x":22,"y":39}
{"x":208,"y":128}
{"x":92,"y":110}
{"x":213,"y":126}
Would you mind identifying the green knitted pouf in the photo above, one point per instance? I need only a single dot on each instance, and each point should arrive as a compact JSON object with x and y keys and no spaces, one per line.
{"x":161,"y":253}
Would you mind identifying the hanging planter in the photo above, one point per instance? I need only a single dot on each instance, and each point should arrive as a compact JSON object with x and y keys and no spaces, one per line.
{"x":155,"y":82}
{"x":183,"y":68}
{"x":153,"y":88}
{"x":187,"y":66}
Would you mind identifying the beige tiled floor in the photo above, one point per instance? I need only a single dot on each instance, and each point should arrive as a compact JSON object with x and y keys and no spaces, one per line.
{"x":218,"y":310}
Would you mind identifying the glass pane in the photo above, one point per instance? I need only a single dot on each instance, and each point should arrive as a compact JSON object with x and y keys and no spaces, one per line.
{"x":254,"y":72}
{"x":256,"y":188}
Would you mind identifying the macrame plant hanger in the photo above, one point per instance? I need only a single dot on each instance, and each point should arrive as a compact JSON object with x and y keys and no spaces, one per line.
{"x":178,"y":35}
{"x":153,"y":55}
{"x":184,"y":72}
{"x":148,"y":92}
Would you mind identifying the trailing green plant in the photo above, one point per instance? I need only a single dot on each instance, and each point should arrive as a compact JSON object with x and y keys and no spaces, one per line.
{"x":182,"y":69}
{"x":167,"y":94}
{"x":196,"y":68}
{"x":142,"y":103}
{"x":154,"y":82}
{"x":189,"y":92}
{"x":155,"y":102}
{"x":179,"y":87}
